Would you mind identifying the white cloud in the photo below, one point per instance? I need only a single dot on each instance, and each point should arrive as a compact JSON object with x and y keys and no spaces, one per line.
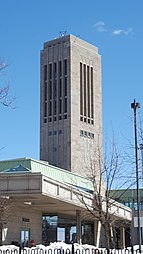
{"x":100,"y":27}
{"x":122,"y":31}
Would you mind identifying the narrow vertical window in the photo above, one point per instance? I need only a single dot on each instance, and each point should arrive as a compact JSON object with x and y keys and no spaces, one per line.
{"x":55,"y":107}
{"x":45,"y":82}
{"x":45,"y":109}
{"x":50,"y":82}
{"x":60,"y":68}
{"x":60,"y":106}
{"x":92,"y":92}
{"x":55,"y":88}
{"x":55,"y":80}
{"x":65,"y":86}
{"x":55,"y":70}
{"x":81,"y":95}
{"x":50,"y":108}
{"x":65,"y":105}
{"x":65,"y":67}
{"x":45,"y":73}
{"x":45,"y":91}
{"x":84,"y":90}
{"x":50,"y":89}
{"x":60,"y":87}
{"x":88,"y":92}
{"x":50,"y":71}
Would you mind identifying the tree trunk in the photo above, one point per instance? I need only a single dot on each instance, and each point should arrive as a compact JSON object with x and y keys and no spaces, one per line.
{"x":107,"y":231}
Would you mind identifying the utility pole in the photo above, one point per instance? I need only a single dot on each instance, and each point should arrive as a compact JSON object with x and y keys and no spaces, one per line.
{"x":141,"y":149}
{"x":135,"y":105}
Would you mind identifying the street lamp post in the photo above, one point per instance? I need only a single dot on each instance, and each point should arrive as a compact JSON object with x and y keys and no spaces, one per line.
{"x":141,"y":149}
{"x":135,"y":105}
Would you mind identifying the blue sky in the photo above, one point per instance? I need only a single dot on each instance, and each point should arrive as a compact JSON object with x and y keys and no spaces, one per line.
{"x":115,"y":27}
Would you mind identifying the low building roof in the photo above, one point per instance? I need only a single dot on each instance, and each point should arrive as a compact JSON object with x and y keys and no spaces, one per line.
{"x":16,"y":169}
{"x":45,"y":168}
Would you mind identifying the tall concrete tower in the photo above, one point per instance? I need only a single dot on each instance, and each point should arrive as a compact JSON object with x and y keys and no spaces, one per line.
{"x":70,"y":103}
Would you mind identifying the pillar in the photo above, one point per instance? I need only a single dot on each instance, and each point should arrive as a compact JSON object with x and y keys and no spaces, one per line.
{"x":78,"y":227}
{"x":67,"y":234}
{"x":97,"y":232}
{"x":122,"y":237}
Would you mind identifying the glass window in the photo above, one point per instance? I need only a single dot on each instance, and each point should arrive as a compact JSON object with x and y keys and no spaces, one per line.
{"x":55,"y":88}
{"x":55,"y":107}
{"x":45,"y":72}
{"x":55,"y":70}
{"x":60,"y":106}
{"x":60,"y":68}
{"x":89,"y":134}
{"x":65,"y":67}
{"x":65,"y":86}
{"x":49,"y":229}
{"x":50,"y":89}
{"x":60,"y":234}
{"x":92,"y":92}
{"x":85,"y":105}
{"x":45,"y":92}
{"x":81,"y":91}
{"x":88,"y":233}
{"x":24,"y":238}
{"x":92,"y":135}
{"x":88,"y":92}
{"x":92,"y":122}
{"x":50,"y":71}
{"x":60,"y":87}
{"x":65,"y":105}
{"x":56,"y":228}
{"x":50,"y":108}
{"x":45,"y":109}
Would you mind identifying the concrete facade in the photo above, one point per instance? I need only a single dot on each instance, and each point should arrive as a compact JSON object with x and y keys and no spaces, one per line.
{"x":70,"y":103}
{"x":22,"y":219}
{"x":35,"y":193}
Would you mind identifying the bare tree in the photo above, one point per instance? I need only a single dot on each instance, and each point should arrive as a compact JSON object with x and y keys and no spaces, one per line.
{"x":5,"y":99}
{"x":5,"y":201}
{"x":105,"y":173}
{"x":5,"y":212}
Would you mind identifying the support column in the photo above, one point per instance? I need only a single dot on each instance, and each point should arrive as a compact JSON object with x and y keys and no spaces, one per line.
{"x":67,"y":234}
{"x":78,"y":227}
{"x":97,"y":232}
{"x":122,"y":237}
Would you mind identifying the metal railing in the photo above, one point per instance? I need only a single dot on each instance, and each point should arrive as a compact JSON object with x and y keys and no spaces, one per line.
{"x":72,"y":250}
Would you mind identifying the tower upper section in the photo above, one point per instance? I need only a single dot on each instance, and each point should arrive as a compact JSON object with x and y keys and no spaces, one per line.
{"x":70,"y":103}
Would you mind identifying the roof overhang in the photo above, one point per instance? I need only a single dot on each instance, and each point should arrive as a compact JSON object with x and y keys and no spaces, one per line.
{"x":49,"y":196}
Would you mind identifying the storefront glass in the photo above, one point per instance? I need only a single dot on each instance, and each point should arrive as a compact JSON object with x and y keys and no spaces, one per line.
{"x":56,"y":228}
